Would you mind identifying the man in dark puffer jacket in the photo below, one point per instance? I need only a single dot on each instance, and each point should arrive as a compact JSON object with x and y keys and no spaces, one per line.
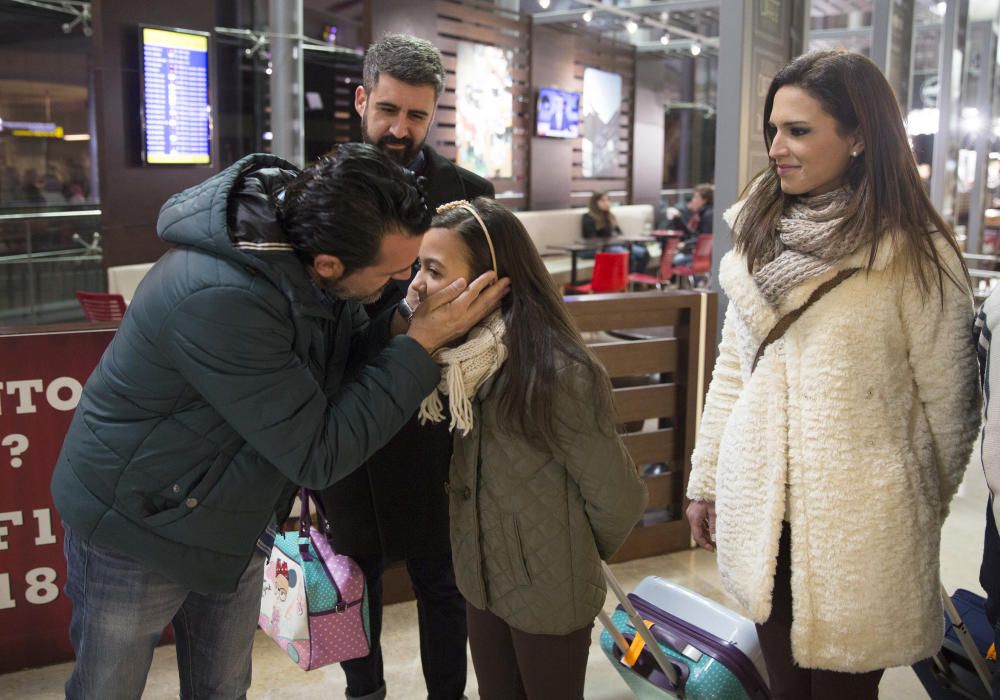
{"x":224,"y":387}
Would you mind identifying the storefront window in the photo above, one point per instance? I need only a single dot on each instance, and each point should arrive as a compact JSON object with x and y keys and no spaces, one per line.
{"x":49,"y":197}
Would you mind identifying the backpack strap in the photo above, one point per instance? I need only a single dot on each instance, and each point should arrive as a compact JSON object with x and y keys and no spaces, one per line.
{"x":788,"y":319}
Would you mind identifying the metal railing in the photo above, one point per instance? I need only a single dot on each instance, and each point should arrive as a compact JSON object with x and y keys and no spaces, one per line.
{"x":44,"y":258}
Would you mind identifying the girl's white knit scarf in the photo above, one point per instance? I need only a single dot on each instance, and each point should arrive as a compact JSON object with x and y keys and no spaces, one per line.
{"x":463,"y":370}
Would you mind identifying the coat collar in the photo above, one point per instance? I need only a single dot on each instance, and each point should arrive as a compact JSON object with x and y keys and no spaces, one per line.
{"x":757,"y":313}
{"x":443,"y":180}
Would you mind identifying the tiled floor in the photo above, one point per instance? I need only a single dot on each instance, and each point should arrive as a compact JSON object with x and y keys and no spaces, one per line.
{"x":276,"y":677}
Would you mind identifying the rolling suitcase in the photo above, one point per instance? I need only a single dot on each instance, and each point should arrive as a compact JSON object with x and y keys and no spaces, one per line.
{"x":689,"y":647}
{"x":959,"y":671}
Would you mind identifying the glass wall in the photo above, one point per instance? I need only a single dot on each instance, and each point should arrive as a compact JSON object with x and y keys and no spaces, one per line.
{"x":50,"y":217}
{"x":49,"y":193}
{"x":690,"y":119}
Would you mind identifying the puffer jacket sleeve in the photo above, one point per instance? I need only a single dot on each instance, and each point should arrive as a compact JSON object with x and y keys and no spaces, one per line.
{"x":727,"y":383}
{"x":943,"y":360}
{"x":614,"y":495}
{"x":236,"y":350}
{"x":368,"y":335}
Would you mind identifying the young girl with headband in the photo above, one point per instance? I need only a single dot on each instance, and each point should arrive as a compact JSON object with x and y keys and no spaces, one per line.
{"x":541,"y":487}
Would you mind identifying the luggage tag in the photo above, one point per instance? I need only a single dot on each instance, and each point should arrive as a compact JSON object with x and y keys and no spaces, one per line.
{"x":638,"y":644}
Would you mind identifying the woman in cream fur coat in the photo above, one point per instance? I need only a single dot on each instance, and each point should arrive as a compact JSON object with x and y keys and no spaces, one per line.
{"x":823,"y":475}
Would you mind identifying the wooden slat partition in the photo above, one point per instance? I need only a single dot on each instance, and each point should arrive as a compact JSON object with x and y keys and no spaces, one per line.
{"x":648,"y":446}
{"x":631,"y":357}
{"x":600,"y":312}
{"x":659,"y":349}
{"x":641,"y":403}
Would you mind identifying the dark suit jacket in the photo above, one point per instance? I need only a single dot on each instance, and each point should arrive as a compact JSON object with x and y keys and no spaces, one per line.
{"x":396,"y":505}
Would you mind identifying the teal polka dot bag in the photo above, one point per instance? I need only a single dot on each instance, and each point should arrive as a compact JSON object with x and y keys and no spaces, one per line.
{"x":314,"y":602}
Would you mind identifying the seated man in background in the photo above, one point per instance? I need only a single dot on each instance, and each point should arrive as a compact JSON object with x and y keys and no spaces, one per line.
{"x":697,"y":222}
{"x":223,"y":389}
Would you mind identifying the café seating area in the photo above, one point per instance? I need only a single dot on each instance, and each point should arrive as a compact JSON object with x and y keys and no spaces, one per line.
{"x":555,"y":232}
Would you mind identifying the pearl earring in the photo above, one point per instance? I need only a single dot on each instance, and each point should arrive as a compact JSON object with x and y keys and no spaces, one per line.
{"x":854,"y":154}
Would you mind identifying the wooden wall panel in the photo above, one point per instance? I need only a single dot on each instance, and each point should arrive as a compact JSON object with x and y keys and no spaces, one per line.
{"x":467,"y":20}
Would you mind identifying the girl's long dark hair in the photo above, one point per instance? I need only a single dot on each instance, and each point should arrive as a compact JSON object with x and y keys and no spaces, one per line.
{"x":603,"y":219}
{"x":888,"y":204}
{"x":541,"y":336}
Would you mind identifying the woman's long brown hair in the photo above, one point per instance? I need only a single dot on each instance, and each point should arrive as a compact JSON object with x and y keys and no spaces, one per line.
{"x":603,"y":219}
{"x":888,"y":203}
{"x":541,"y":336}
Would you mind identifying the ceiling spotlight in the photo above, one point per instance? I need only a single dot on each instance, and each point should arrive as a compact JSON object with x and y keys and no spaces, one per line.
{"x":631,"y":26}
{"x":588,"y":16}
{"x":695,"y":49}
{"x":544,"y":4}
{"x":665,"y":17}
{"x":665,"y":39}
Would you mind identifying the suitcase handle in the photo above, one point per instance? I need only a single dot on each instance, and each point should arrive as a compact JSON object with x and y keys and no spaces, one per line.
{"x":640,"y":629}
{"x":971,"y":650}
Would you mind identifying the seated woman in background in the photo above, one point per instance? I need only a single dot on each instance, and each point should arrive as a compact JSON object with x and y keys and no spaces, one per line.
{"x":600,"y":223}
{"x":699,"y":221}
{"x":541,"y":487}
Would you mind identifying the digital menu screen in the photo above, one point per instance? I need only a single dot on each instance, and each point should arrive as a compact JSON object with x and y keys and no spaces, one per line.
{"x":176,"y":114}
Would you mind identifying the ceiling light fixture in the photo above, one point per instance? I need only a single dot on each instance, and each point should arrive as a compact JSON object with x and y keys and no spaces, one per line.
{"x":588,"y":16}
{"x":665,"y":39}
{"x":695,"y":49}
{"x":544,"y":4}
{"x":631,"y":26}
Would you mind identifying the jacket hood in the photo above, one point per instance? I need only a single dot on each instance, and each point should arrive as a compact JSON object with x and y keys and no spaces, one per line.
{"x":233,"y":211}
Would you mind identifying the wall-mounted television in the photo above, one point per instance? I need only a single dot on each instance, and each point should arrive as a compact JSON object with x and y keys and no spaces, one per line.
{"x":557,"y":113}
{"x":176,"y":111}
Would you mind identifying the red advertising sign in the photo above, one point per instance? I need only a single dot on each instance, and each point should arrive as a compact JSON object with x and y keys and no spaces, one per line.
{"x":41,"y":377}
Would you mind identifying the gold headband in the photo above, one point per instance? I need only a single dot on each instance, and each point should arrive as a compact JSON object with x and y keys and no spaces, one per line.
{"x":463,"y":204}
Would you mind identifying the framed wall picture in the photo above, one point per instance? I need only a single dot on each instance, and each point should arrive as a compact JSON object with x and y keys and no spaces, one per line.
{"x":484,"y":110}
{"x":602,"y":103}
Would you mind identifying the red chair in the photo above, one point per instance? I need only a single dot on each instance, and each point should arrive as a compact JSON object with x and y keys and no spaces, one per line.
{"x":100,"y":307}
{"x":666,"y":271}
{"x":610,"y":275}
{"x":701,"y":263}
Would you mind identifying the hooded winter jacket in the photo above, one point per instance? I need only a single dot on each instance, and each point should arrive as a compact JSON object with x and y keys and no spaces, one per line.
{"x":224,"y":386}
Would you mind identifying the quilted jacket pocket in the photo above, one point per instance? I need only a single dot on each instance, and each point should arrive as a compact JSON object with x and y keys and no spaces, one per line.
{"x":512,"y":538}
{"x":183,"y":498}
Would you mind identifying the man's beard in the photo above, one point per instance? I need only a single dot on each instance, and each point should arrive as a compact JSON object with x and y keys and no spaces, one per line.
{"x":370,"y":299}
{"x":334,"y":290}
{"x":404,"y":157}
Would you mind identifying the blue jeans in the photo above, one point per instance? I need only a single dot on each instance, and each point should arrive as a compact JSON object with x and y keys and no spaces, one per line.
{"x":120,"y":609}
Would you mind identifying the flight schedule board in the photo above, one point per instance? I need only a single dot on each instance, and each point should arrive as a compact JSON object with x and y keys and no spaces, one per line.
{"x":176,"y":112}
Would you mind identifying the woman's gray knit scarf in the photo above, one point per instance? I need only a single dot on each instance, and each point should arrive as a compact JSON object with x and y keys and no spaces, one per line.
{"x":808,"y":244}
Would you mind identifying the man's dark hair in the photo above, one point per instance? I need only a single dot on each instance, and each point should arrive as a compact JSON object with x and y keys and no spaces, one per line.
{"x":406,"y":58}
{"x":346,"y":203}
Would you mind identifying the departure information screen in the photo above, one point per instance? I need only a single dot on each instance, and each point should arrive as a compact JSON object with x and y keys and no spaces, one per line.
{"x":177,"y":125}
